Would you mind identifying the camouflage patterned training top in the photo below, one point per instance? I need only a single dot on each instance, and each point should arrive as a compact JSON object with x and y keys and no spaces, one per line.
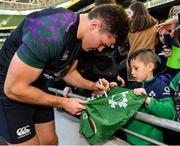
{"x":45,"y":39}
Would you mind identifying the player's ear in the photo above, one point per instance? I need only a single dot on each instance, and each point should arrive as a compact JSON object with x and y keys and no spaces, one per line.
{"x":95,"y":23}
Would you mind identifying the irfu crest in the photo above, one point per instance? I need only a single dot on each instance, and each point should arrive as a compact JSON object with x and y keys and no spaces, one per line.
{"x":119,"y":100}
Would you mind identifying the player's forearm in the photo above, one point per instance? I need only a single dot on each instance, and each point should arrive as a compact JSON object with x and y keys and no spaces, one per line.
{"x":75,"y":79}
{"x":33,"y":95}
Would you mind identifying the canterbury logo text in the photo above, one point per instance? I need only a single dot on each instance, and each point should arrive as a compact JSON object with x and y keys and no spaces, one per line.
{"x":23,"y":131}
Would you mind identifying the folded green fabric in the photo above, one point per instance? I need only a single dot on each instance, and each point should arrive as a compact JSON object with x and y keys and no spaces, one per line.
{"x":104,"y":115}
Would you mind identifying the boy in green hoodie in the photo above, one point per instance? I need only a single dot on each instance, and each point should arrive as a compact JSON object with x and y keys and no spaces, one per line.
{"x":158,"y":102}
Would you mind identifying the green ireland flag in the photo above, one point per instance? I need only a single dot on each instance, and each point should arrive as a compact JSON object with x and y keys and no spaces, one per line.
{"x":104,"y":115}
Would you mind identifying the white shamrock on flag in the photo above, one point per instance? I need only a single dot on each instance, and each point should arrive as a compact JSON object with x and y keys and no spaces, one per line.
{"x":112,"y":103}
{"x":123,"y":102}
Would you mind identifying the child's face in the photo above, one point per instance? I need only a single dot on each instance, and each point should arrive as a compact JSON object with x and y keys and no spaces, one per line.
{"x":164,"y":31}
{"x":161,"y":35}
{"x":139,"y":71}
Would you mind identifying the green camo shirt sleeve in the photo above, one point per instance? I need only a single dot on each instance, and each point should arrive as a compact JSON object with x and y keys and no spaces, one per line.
{"x":32,"y":57}
{"x":43,"y":36}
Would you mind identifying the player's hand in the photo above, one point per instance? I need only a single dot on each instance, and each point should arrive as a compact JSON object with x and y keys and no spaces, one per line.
{"x":101,"y":87}
{"x":111,"y":85}
{"x":74,"y":106}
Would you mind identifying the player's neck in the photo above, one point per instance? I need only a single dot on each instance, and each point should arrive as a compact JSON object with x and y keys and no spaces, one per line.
{"x":83,"y":25}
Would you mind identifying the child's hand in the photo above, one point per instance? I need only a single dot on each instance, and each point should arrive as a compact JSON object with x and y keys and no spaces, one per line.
{"x":148,"y":100}
{"x":121,"y":80}
{"x":95,"y":93}
{"x":66,"y":91}
{"x":167,"y":52}
{"x":112,"y":84}
{"x":139,"y":91}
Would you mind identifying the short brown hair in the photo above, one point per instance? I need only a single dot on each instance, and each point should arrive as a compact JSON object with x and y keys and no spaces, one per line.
{"x":114,"y":19}
{"x":145,"y":55}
